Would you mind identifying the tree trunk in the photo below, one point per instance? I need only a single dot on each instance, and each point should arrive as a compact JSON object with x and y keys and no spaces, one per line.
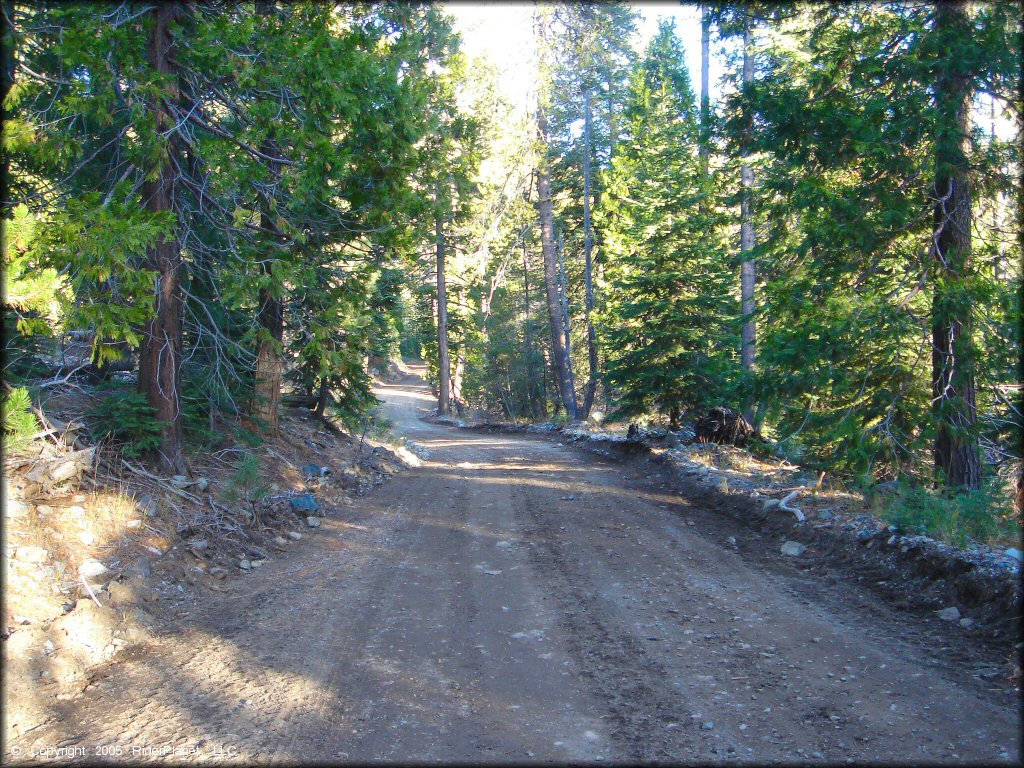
{"x":560,"y":354}
{"x":956,"y":453}
{"x":747,"y":268}
{"x":160,"y":348}
{"x":6,"y":83}
{"x":270,"y":318}
{"x":443,"y":369}
{"x":588,"y":281}
{"x":270,"y":315}
{"x":705,"y":98}
{"x":322,"y":398}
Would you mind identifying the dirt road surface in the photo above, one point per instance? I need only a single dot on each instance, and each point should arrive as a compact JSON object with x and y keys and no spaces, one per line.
{"x":512,"y":599}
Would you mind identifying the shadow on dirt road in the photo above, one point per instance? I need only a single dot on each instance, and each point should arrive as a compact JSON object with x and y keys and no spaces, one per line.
{"x":513,"y":600}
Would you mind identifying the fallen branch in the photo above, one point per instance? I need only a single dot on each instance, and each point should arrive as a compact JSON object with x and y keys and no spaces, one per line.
{"x":89,"y":590}
{"x":160,"y":482}
{"x":784,"y":505}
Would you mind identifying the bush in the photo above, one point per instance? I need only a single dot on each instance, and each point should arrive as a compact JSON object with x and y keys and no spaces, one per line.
{"x":128,"y":420}
{"x":19,"y":421}
{"x":246,"y":486}
{"x":982,"y":516}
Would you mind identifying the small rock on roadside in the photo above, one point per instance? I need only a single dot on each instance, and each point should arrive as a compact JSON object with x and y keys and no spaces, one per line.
{"x":95,"y":572}
{"x":313,"y":522}
{"x":14,"y":508}
{"x":294,"y":535}
{"x":708,"y":726}
{"x":503,"y":545}
{"x":793,"y":548}
{"x":304,"y":503}
{"x":770,"y":505}
{"x":967,"y":623}
{"x":949,"y":614}
{"x":147,"y":506}
{"x":65,"y":471}
{"x":280,"y":541}
{"x":202,"y":484}
{"x":218,"y":573}
{"x":133,"y":524}
{"x":245,"y":565}
{"x":31,"y":554}
{"x":1014,"y":554}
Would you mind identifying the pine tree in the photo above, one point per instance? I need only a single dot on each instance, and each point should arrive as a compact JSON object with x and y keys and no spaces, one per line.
{"x":665,"y":327}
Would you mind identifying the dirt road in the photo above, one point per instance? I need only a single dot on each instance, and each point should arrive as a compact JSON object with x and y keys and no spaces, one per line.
{"x":512,"y":600}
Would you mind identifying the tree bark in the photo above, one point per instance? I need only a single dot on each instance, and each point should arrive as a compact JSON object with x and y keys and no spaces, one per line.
{"x":531,"y":384}
{"x":160,"y":348}
{"x":560,"y":354}
{"x":591,"y":388}
{"x":747,"y":267}
{"x":956,"y":451}
{"x":6,"y":83}
{"x":443,"y":365}
{"x":270,"y":315}
{"x":705,"y":97}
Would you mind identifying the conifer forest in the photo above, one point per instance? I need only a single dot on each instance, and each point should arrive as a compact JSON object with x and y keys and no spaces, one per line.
{"x":240,"y":200}
{"x":790,"y":231}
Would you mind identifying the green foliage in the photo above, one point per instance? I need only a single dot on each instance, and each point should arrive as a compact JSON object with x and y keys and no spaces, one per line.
{"x":665,"y":327}
{"x":128,"y":420}
{"x":19,"y":421}
{"x":246,"y":485}
{"x":983,"y":516}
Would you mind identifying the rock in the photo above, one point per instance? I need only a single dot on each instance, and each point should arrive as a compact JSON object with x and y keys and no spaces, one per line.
{"x":503,"y":545}
{"x":280,"y":541}
{"x":824,"y":515}
{"x":86,"y":538}
{"x":313,"y":522}
{"x":949,"y":614}
{"x":770,"y":505}
{"x":15,"y":509}
{"x":311,"y":471}
{"x":42,"y":510}
{"x":793,"y":548}
{"x":65,"y":471}
{"x":254,"y":552}
{"x":967,"y":623}
{"x":85,"y":632}
{"x":256,"y":563}
{"x":708,"y":726}
{"x":218,"y":573}
{"x":304,"y":503}
{"x":294,"y":535}
{"x":95,"y":572}
{"x":140,"y":569}
{"x":122,"y":593}
{"x":180,"y":481}
{"x":1015,"y":554}
{"x":31,"y":554}
{"x":146,"y":506}
{"x":76,"y":511}
{"x":133,"y":524}
{"x":202,"y":484}
{"x":244,"y":564}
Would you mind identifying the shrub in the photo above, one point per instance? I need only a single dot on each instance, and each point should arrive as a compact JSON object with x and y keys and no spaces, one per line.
{"x":985,"y":515}
{"x":128,"y":420}
{"x":19,"y":421}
